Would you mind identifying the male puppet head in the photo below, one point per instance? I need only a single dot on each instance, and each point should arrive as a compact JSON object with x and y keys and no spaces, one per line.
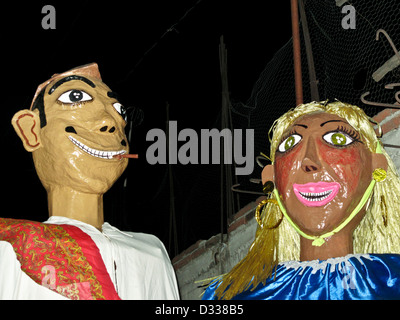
{"x":74,"y":128}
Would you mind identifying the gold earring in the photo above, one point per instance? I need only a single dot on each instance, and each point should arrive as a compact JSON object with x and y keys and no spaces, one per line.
{"x":379,"y":175}
{"x":258,"y":211}
{"x":268,"y":187}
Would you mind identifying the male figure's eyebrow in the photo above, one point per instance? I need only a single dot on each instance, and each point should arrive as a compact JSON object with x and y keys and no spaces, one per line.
{"x":324,"y":123}
{"x":70,"y":78}
{"x":113,"y":95}
{"x":301,"y":125}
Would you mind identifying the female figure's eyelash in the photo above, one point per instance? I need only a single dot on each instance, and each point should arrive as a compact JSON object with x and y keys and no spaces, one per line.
{"x":351,"y":133}
{"x":291,"y":132}
{"x":286,"y":136}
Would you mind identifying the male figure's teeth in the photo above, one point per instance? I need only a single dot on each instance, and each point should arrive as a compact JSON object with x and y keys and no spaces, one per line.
{"x":94,"y":152}
{"x":309,"y":196}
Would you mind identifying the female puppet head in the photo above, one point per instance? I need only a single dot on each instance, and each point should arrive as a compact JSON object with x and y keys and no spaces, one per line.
{"x":324,"y":156}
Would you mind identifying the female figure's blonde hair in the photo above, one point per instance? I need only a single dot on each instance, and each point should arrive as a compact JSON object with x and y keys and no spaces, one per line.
{"x":277,"y":241}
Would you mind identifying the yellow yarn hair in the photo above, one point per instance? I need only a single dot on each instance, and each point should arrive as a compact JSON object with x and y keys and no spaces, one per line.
{"x":378,"y":232}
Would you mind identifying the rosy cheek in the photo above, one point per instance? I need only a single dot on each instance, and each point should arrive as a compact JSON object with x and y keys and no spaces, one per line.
{"x":285,"y":169}
{"x":346,"y":163}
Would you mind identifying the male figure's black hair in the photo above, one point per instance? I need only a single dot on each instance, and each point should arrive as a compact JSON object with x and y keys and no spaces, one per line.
{"x":39,"y":104}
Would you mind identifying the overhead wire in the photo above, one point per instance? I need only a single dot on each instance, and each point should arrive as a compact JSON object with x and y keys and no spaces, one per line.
{"x":171,"y":28}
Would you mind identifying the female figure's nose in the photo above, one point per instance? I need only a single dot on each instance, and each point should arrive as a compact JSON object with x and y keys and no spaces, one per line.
{"x":311,"y":162}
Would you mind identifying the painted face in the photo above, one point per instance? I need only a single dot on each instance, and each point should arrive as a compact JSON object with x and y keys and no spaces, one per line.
{"x":322,"y":170}
{"x":84,"y":130}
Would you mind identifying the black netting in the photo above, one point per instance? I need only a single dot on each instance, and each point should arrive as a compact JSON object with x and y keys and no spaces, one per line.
{"x":345,"y":60}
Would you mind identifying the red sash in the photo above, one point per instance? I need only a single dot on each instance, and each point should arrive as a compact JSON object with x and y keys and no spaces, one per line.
{"x":60,"y":257}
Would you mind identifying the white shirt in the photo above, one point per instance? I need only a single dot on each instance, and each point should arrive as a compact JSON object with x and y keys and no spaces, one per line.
{"x":137,"y":263}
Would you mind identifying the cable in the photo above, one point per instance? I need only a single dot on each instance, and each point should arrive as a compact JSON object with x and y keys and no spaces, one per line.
{"x":171,"y":28}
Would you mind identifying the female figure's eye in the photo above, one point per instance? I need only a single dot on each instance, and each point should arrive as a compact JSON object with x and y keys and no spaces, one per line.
{"x":74,"y":96}
{"x":120,"y":109}
{"x":289,"y":142}
{"x":338,"y":138}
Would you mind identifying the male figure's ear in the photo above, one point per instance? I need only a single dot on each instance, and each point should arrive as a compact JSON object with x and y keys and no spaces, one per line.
{"x":26,"y":124}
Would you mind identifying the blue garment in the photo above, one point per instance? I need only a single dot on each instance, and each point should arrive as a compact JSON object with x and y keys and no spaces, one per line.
{"x":355,"y":276}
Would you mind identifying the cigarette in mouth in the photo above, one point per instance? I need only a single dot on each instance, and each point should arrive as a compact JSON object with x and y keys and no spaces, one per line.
{"x":132,"y":156}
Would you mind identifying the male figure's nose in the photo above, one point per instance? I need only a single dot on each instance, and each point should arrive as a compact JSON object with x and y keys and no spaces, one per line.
{"x":105,"y":128}
{"x":105,"y":123}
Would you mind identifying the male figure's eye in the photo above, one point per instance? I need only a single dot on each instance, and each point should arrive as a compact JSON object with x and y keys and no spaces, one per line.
{"x":289,"y":142}
{"x":338,"y":138}
{"x":74,"y":96}
{"x":120,"y":109}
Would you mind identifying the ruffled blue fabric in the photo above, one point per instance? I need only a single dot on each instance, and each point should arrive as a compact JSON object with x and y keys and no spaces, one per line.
{"x":354,"y":277}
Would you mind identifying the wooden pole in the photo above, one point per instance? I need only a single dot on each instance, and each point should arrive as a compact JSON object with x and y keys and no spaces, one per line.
{"x":173,"y":237}
{"x":227,"y":176}
{"x":309,"y":54}
{"x":296,"y":51}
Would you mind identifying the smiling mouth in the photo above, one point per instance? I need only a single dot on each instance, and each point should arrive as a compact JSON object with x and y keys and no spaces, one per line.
{"x":94,"y":152}
{"x":316,"y":194}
